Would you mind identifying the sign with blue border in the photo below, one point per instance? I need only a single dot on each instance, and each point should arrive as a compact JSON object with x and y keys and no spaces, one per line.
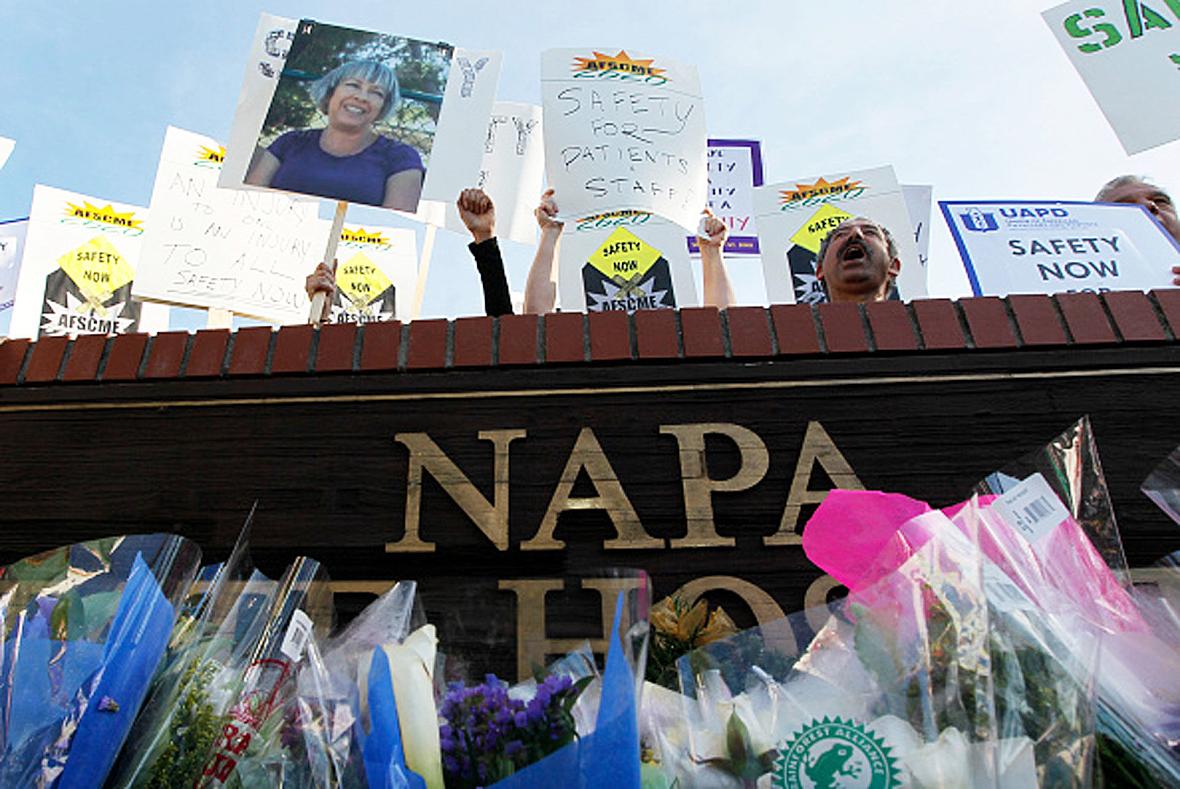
{"x":1042,"y":246}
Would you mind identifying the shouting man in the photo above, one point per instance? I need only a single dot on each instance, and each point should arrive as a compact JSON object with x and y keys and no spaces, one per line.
{"x":858,"y":261}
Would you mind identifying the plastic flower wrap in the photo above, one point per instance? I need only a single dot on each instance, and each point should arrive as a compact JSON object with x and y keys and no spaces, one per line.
{"x":227,"y":716}
{"x":1030,"y":533}
{"x":1073,"y":470}
{"x":343,"y":714}
{"x":609,"y":754}
{"x":254,"y":688}
{"x":84,"y":628}
{"x":566,"y":727}
{"x":921,"y":677}
{"x":176,"y":726}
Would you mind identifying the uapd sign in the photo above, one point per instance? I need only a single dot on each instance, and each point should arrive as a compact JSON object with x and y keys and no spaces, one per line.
{"x":1053,"y":247}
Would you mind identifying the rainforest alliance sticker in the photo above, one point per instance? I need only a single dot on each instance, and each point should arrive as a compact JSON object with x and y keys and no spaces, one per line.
{"x":835,"y":754}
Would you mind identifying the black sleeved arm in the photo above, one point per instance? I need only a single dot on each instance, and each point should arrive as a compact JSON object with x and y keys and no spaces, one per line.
{"x":496,"y":300}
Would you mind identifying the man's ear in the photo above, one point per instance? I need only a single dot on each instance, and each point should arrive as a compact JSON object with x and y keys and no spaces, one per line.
{"x":894,"y":268}
{"x":819,"y":270}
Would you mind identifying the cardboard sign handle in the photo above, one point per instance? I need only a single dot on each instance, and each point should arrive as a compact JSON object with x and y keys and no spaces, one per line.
{"x":315,"y":316}
{"x":423,"y":271}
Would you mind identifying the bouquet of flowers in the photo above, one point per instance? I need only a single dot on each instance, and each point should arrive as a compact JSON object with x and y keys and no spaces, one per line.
{"x":83,"y":629}
{"x":923,"y":673}
{"x":225,"y":706}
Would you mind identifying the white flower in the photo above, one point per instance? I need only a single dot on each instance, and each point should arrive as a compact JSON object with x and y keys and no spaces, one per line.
{"x":942,"y":764}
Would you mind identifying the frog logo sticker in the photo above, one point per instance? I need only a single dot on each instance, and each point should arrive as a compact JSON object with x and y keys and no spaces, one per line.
{"x":363,"y":293}
{"x":835,"y":754}
{"x":90,"y":292}
{"x":628,"y":274}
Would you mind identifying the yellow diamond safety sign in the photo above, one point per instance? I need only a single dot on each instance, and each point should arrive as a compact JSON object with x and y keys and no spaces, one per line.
{"x":816,"y":228}
{"x":97,"y":268}
{"x":624,"y":255}
{"x":361,"y":280}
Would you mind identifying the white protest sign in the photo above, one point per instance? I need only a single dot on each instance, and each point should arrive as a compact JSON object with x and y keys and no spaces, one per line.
{"x":268,"y":52}
{"x":624,"y":132}
{"x":466,"y":108}
{"x":6,"y":146}
{"x":12,"y":238}
{"x":376,"y":272}
{"x":227,"y":249}
{"x":625,"y":260}
{"x":734,"y":169}
{"x":1128,"y":54}
{"x":78,"y":266}
{"x":918,"y":201}
{"x":512,"y":171}
{"x":1023,"y":246}
{"x":794,"y":217}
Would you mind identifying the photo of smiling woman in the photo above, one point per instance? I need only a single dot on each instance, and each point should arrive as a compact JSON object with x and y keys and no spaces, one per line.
{"x":343,"y":123}
{"x":347,"y":159}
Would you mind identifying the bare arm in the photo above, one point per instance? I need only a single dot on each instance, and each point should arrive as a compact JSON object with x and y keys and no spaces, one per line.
{"x":540,"y":289}
{"x":402,"y":190}
{"x":262,"y":168}
{"x":715,"y":281}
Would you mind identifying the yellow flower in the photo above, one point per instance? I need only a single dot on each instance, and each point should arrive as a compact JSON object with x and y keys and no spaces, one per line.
{"x":692,"y":625}
{"x":720,"y":626}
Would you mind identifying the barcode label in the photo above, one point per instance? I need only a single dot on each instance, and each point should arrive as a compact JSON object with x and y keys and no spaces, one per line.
{"x":1032,"y":507}
{"x":298,"y":632}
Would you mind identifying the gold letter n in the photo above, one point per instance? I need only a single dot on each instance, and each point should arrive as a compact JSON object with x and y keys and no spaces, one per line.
{"x":491,"y":518}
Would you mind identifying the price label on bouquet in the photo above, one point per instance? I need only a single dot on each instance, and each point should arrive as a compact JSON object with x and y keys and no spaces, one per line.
{"x":1032,"y":507}
{"x":298,"y":632}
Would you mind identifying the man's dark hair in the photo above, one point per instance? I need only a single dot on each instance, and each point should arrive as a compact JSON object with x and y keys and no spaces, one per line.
{"x":890,"y":244}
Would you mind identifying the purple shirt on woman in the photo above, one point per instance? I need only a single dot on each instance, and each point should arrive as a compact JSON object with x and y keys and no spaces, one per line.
{"x":360,"y":178}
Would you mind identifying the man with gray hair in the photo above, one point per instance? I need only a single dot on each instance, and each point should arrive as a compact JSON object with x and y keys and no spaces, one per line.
{"x":858,"y":261}
{"x":1136,"y":190}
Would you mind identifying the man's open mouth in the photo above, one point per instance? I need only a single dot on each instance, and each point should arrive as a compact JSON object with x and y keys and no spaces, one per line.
{"x":853,"y":250}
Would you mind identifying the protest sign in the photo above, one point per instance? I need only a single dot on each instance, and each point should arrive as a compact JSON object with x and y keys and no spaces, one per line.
{"x":624,"y":260}
{"x":77,"y":269}
{"x":376,"y":273}
{"x":1023,"y":246}
{"x":734,"y":169}
{"x":12,"y":238}
{"x":268,"y":54}
{"x":228,"y":249}
{"x":1128,"y":54}
{"x":794,"y":217}
{"x":918,"y":200}
{"x":623,"y":133}
{"x":6,"y":146}
{"x":512,"y":171}
{"x":351,"y":116}
{"x":460,"y":142}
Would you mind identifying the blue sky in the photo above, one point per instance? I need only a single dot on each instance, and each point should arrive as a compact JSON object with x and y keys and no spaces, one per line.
{"x":976,"y":99}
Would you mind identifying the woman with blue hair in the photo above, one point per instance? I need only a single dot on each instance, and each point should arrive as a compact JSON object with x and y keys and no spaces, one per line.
{"x":347,"y":159}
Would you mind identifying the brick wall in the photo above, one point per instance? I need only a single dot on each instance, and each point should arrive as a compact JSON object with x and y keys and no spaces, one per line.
{"x":703,"y":333}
